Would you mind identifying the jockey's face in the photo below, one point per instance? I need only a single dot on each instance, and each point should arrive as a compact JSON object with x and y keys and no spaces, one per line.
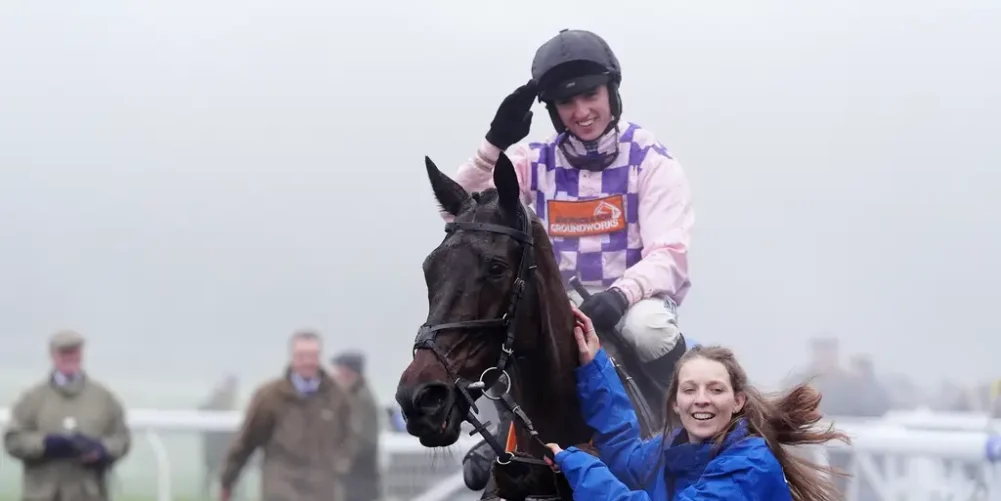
{"x":586,"y":115}
{"x":705,"y":401}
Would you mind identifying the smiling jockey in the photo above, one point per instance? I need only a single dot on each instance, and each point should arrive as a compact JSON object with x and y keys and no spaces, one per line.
{"x":616,"y":204}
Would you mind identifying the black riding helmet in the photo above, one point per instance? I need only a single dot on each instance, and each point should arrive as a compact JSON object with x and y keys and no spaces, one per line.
{"x":574,"y":62}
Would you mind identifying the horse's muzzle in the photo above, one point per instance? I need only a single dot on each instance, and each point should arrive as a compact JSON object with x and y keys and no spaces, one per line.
{"x":432,"y":412}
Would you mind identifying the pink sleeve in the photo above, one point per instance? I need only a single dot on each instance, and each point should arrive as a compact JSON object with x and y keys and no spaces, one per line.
{"x":666,"y":218}
{"x":477,"y":174}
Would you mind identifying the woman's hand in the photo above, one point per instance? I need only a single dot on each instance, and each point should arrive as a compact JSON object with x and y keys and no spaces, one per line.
{"x":556,"y":450}
{"x":587,"y":340}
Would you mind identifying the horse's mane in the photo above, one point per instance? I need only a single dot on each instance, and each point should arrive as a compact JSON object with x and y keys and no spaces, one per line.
{"x":557,"y":319}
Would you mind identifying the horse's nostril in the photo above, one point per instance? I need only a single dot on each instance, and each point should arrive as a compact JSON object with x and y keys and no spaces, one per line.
{"x":431,"y":398}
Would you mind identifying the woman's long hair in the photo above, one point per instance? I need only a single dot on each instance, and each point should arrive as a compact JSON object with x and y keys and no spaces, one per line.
{"x":785,"y":420}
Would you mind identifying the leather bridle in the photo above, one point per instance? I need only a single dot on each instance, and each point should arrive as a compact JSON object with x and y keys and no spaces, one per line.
{"x":471,"y":391}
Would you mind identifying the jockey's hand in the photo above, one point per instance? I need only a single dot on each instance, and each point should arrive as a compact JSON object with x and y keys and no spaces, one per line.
{"x":587,"y":340}
{"x":513,"y":120}
{"x":606,"y":308}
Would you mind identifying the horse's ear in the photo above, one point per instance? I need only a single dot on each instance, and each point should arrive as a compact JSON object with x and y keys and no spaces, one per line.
{"x":506,"y":181}
{"x":451,"y":196}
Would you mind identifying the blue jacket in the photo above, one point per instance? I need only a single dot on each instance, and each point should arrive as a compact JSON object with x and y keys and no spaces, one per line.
{"x":743,"y":470}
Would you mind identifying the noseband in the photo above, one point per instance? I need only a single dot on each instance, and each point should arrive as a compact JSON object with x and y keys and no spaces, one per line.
{"x":470,"y":391}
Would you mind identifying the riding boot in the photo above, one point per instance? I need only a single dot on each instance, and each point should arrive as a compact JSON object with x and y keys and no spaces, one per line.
{"x":662,"y":369}
{"x":477,"y":462}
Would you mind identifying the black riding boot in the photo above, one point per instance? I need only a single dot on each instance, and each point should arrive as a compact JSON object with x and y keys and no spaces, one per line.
{"x":477,"y":462}
{"x":662,"y":369}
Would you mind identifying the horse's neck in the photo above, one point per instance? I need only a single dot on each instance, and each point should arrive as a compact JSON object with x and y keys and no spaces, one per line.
{"x":550,"y":401}
{"x":546,"y":386}
{"x":547,"y":392}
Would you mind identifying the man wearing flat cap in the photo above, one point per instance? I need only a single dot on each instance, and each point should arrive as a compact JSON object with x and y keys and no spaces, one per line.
{"x":362,"y":483}
{"x":67,"y":430}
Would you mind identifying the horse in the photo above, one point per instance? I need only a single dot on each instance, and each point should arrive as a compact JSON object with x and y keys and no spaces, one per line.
{"x":499,"y":325}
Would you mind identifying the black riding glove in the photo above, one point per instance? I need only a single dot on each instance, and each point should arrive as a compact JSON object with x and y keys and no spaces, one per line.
{"x":605,"y":308}
{"x":513,"y":120}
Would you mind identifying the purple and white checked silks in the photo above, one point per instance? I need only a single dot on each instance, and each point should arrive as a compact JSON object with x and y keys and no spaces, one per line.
{"x":645,"y":259}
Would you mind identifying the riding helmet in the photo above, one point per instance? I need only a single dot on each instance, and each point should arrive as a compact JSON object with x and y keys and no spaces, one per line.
{"x":574,"y":62}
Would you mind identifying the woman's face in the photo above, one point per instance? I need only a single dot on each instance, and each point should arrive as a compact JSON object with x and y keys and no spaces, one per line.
{"x":705,"y":400}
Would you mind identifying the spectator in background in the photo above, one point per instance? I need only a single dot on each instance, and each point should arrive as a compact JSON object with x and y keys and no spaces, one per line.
{"x":215,"y":443}
{"x":825,"y":373}
{"x":945,"y":399}
{"x":302,"y":421}
{"x":363,"y":481}
{"x":68,"y":430}
{"x":871,"y":398}
{"x":904,"y":392}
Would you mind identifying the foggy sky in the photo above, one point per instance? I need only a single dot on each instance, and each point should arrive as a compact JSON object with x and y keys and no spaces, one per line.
{"x":187,"y":182}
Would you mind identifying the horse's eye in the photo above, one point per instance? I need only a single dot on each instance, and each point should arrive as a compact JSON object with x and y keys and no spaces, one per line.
{"x":497,"y":268}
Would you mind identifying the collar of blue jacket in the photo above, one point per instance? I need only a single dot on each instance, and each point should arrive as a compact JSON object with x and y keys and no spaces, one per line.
{"x":684,"y":459}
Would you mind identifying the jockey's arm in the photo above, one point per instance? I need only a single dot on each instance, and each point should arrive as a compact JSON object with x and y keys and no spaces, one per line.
{"x":477,"y":173}
{"x":666,"y":218}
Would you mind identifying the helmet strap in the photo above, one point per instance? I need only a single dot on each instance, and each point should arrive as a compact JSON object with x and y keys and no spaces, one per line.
{"x":615,"y":103}
{"x":554,"y":116}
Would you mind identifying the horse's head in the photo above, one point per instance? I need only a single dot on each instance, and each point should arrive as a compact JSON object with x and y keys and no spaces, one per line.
{"x":477,"y":280}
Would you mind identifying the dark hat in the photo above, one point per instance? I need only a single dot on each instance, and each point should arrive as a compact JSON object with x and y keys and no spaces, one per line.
{"x":65,"y":340}
{"x":573,"y":62}
{"x":352,"y":360}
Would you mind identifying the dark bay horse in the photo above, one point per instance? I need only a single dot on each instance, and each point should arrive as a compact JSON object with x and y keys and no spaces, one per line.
{"x":498,"y":318}
{"x":499,"y":323}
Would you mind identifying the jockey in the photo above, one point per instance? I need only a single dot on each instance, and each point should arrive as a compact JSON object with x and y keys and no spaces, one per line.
{"x":617,"y":206}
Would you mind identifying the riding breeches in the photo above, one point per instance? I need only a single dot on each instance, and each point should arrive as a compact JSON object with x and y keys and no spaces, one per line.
{"x":650,"y":326}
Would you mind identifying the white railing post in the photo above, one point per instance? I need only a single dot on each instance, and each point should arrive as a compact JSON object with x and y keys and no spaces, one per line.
{"x":163,"y":487}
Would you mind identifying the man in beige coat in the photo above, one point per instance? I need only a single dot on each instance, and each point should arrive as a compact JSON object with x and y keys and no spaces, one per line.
{"x":67,"y":431}
{"x":303,"y":423}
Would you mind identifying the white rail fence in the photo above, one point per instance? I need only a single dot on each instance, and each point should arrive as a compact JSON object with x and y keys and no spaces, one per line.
{"x":911,"y":455}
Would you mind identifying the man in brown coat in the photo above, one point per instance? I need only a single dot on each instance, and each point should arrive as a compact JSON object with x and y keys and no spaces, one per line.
{"x":67,"y":430}
{"x":303,"y":424}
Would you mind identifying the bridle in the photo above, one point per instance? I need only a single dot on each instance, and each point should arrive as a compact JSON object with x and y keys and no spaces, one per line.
{"x":470,"y":391}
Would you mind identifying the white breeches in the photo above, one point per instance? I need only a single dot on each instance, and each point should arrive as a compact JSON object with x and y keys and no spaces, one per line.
{"x":650,"y":326}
